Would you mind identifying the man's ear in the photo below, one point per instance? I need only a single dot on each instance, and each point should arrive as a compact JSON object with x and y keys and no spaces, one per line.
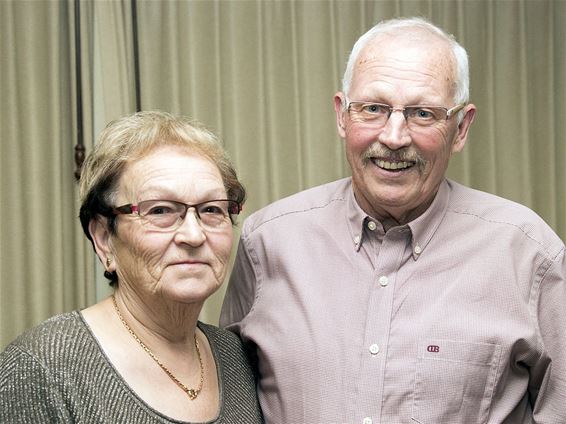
{"x":464,"y":127}
{"x":101,"y":238}
{"x":339,"y":100}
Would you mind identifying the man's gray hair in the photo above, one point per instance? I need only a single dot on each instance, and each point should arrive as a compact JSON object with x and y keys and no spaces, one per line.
{"x":400,"y":25}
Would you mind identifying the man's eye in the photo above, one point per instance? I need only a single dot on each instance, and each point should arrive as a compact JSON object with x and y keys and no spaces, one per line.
{"x":375,"y":108}
{"x":422,"y":113}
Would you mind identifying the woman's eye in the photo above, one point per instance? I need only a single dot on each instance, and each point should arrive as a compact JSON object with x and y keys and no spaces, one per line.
{"x":160,"y":210}
{"x":212,"y":209}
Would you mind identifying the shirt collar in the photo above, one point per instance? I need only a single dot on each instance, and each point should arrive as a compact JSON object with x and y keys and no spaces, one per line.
{"x":422,"y":228}
{"x":355,"y":217}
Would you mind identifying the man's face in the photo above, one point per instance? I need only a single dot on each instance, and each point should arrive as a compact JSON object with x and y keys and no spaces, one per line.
{"x":396,"y":170}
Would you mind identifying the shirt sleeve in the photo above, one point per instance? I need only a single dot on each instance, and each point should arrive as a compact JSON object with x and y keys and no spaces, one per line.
{"x":27,"y":392}
{"x":548,"y":388}
{"x":241,"y":291}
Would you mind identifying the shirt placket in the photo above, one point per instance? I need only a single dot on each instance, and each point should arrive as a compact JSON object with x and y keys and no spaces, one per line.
{"x":379,"y":313}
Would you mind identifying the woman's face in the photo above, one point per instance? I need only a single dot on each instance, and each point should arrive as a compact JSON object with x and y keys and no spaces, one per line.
{"x":185,"y":265}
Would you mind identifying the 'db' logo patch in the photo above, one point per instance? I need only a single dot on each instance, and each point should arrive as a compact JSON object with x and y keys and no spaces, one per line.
{"x":433,"y":348}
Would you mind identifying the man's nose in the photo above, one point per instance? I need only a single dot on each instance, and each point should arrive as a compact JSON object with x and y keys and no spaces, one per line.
{"x":395,"y":133}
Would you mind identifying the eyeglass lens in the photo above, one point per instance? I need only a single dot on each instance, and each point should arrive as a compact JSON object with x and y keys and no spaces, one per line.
{"x":169,"y":214}
{"x":379,"y":114}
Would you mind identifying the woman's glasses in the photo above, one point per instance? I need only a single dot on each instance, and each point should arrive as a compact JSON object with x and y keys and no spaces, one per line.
{"x":168,"y":215}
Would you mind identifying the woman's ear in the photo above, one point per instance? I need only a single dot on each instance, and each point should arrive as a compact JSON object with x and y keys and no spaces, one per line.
{"x":101,"y":238}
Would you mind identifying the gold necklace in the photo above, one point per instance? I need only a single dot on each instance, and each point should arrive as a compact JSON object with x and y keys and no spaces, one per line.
{"x":192,"y":393}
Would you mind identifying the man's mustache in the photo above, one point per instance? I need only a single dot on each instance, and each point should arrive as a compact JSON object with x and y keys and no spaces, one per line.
{"x":380,"y":151}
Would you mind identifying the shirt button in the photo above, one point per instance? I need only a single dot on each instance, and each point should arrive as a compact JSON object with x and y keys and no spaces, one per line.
{"x":383,"y":280}
{"x":367,"y":420}
{"x":374,"y":349}
{"x":417,"y":250}
{"x":371,"y":225}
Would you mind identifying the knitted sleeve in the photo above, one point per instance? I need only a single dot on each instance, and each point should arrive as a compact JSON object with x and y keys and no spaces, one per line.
{"x":28,"y":394}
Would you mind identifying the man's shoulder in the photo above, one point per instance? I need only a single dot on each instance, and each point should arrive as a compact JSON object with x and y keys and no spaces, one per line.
{"x":493,"y":210}
{"x":299,"y":205}
{"x":489,"y":206}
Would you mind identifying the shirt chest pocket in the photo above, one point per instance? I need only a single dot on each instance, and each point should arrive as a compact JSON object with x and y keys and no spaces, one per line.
{"x":454,"y":381}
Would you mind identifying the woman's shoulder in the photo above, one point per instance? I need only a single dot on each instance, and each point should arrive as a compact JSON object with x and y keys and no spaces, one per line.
{"x":238,"y":382}
{"x":220,"y":336}
{"x":48,"y":339}
{"x":226,"y":346}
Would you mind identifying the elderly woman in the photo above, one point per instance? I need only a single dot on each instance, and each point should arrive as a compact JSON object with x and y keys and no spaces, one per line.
{"x":158,"y":200}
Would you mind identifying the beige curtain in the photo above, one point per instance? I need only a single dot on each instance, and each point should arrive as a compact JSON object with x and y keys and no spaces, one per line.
{"x":44,"y":266}
{"x":262,"y":74}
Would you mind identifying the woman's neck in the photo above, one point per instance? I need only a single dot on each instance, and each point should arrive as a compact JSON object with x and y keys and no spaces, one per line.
{"x":158,"y":319}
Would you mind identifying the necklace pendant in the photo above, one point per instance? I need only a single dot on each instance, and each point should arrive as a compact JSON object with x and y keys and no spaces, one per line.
{"x":192,"y":394}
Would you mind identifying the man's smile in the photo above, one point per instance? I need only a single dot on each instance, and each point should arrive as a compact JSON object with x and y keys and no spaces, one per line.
{"x":392,"y":165}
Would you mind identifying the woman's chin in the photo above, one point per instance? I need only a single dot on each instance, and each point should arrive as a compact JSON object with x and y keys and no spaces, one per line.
{"x":189,"y":290}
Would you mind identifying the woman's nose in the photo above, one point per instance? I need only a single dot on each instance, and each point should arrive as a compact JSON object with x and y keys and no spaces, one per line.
{"x":191,"y":231}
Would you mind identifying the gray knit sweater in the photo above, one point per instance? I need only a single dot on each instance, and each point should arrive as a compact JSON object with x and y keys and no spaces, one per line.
{"x":57,"y":373}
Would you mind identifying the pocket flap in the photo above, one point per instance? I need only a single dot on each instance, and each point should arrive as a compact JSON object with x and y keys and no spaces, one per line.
{"x":458,"y":351}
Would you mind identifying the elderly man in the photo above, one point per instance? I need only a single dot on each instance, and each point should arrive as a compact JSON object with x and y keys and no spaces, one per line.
{"x":397,"y":295}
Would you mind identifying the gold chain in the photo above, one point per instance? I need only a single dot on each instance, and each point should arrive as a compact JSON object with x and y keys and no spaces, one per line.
{"x":192,"y":393}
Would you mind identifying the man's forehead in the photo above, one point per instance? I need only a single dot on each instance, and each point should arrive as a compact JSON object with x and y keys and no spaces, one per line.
{"x":407,"y":48}
{"x":418,"y":40}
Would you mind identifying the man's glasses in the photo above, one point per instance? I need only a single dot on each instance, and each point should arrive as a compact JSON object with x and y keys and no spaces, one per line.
{"x":168,"y":215}
{"x":417,"y":117}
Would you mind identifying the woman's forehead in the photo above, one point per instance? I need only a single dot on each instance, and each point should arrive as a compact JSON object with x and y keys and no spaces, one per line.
{"x":173,"y":170}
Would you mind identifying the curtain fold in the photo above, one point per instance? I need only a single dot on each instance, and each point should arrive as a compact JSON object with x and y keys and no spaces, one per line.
{"x":44,"y":269}
{"x":262,"y":74}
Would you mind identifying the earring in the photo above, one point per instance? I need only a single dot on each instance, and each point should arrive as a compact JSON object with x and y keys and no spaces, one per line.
{"x":108,"y":262}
